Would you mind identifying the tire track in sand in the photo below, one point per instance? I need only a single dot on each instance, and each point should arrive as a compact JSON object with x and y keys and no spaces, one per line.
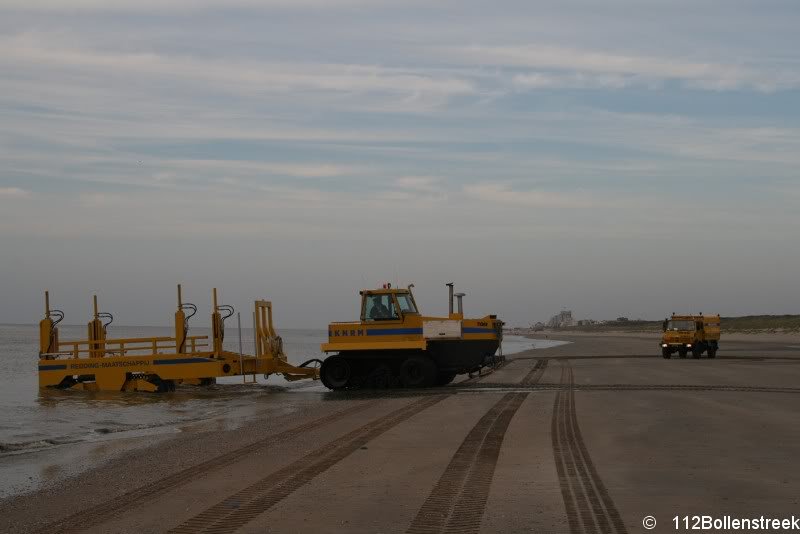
{"x":458,"y":500}
{"x":230,"y":514}
{"x":589,"y":506}
{"x":100,"y":513}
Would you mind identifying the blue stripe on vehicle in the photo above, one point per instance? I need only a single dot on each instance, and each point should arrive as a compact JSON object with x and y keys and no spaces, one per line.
{"x":51,"y":367}
{"x":475,"y":330}
{"x":181,"y":360}
{"x":393,"y":331}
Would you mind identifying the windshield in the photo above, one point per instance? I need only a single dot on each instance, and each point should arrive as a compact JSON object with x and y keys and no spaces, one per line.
{"x":406,"y":303}
{"x":680,"y":325}
{"x":379,"y":307}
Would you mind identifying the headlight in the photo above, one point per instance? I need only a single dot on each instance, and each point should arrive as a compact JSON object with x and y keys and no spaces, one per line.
{"x":664,"y":345}
{"x":688,"y":345}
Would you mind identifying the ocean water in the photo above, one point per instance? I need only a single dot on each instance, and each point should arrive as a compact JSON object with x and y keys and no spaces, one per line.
{"x":36,"y":421}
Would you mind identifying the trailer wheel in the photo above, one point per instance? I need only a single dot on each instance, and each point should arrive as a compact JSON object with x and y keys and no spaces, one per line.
{"x":417,"y":372}
{"x":335,"y":372}
{"x":164,"y":386}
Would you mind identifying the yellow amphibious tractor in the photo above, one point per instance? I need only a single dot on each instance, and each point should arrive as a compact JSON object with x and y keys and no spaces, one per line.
{"x":99,"y":363}
{"x":394,"y":345}
{"x":690,"y":333}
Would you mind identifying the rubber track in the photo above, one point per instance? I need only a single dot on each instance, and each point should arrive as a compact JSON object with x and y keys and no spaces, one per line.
{"x":480,"y":376}
{"x":588,"y":504}
{"x":104,"y":511}
{"x":242,"y":507}
{"x":457,"y":501}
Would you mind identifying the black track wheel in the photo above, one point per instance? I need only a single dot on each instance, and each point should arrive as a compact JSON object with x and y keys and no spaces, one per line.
{"x":380,"y":378}
{"x":442,"y":379}
{"x":335,"y":372}
{"x":417,"y":372}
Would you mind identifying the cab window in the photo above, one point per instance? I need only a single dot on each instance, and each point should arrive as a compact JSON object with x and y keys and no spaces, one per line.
{"x":379,"y":308}
{"x":406,"y":303}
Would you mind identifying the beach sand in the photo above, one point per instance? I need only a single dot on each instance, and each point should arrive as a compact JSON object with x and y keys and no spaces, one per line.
{"x":593,"y":435}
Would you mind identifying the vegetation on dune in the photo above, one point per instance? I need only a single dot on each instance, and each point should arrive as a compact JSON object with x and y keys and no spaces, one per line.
{"x":747,"y":323}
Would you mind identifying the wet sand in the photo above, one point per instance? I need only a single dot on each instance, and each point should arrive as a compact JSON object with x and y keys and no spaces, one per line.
{"x":586,"y":437}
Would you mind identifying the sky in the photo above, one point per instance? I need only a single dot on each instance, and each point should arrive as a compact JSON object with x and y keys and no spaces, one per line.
{"x":618,"y":158}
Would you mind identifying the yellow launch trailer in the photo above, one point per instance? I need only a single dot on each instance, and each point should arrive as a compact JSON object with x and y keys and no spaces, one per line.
{"x":100,"y":363}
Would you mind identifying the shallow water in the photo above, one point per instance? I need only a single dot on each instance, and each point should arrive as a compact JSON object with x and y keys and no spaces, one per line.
{"x":34,"y":422}
{"x":34,"y":419}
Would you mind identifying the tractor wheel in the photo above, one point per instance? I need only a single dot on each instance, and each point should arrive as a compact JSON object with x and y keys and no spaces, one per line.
{"x":417,"y":372}
{"x":380,"y":378}
{"x":335,"y":372}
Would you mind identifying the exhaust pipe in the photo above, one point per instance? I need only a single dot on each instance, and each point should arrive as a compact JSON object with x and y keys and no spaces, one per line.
{"x":460,"y":297}
{"x":450,"y":300}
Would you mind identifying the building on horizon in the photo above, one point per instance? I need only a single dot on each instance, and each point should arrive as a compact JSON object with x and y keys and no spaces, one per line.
{"x":562,"y":320}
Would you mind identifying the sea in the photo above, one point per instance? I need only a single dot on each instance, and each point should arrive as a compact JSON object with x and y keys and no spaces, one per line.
{"x":37,"y":425}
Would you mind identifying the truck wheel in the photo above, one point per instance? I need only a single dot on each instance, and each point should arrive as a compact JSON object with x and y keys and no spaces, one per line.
{"x":335,"y":372}
{"x":417,"y":372}
{"x":682,"y":353}
{"x":712,"y":353}
{"x":666,"y":354}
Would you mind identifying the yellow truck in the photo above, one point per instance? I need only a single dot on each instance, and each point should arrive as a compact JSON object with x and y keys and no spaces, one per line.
{"x":394,"y":345}
{"x":690,"y":333}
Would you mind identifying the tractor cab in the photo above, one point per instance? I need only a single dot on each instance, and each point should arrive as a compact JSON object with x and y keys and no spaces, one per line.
{"x":387,"y":304}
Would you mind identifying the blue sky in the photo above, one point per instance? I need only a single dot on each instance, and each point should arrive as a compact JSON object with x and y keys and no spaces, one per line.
{"x":617,"y":158}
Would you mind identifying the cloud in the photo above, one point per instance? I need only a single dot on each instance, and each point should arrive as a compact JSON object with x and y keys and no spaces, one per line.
{"x":597,"y":69}
{"x":14,"y":192}
{"x":425,"y":184}
{"x":504,"y":194}
{"x":99,"y":200}
{"x":177,"y":5}
{"x":545,"y":80}
{"x":28,"y":51}
{"x":255,"y":168}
